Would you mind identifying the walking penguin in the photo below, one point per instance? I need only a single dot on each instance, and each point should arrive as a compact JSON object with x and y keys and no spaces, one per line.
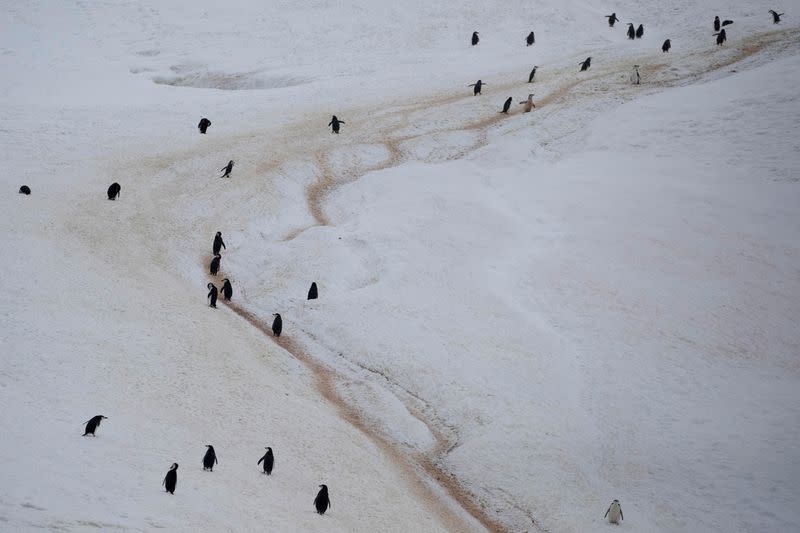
{"x":277,"y":325}
{"x":218,"y":243}
{"x":268,"y":461}
{"x":635,"y":78}
{"x":212,"y":295}
{"x":612,"y":18}
{"x":666,"y":46}
{"x":227,"y":169}
{"x":312,"y":292}
{"x":716,"y":23}
{"x":171,"y":479}
{"x":204,"y":124}
{"x":532,"y":74}
{"x":334,"y":124}
{"x":213,"y":268}
{"x":614,"y":512}
{"x":776,"y":17}
{"x":475,"y":38}
{"x":528,"y":103}
{"x":113,"y":191}
{"x":477,"y":87}
{"x":631,"y":31}
{"x":586,"y":64}
{"x":507,"y":105}
{"x":721,"y":37}
{"x":530,"y":39}
{"x":92,"y":424}
{"x":227,"y":290}
{"x":210,"y":458}
{"x":322,"y":502}
{"x":640,"y":31}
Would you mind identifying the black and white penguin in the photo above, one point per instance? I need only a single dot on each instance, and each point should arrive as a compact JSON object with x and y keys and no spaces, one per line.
{"x":322,"y":501}
{"x":277,"y":325}
{"x":612,"y":18}
{"x":213,"y":268}
{"x":666,"y":46}
{"x":726,"y":23}
{"x":532,"y":74}
{"x":528,"y":103}
{"x":24,"y":190}
{"x":631,"y":31}
{"x":635,"y":78}
{"x":640,"y":31}
{"x":614,"y":512}
{"x":171,"y":479}
{"x":227,"y":290}
{"x":312,"y":292}
{"x":113,"y":191}
{"x":212,"y":295}
{"x":776,"y":17}
{"x":507,"y":105}
{"x":227,"y":169}
{"x":530,"y":39}
{"x":92,"y":424}
{"x":716,"y":23}
{"x":478,"y":85}
{"x":586,"y":64}
{"x":218,"y":243}
{"x":268,"y":461}
{"x":475,"y":38}
{"x":204,"y":124}
{"x":334,"y":124}
{"x":721,"y":37}
{"x":210,"y":458}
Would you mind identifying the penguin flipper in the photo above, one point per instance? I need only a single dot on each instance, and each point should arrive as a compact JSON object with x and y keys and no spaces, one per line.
{"x":607,"y":510}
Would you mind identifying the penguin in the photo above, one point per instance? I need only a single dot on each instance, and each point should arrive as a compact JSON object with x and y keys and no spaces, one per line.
{"x":530,"y":39}
{"x":213,"y":268}
{"x":334,"y":124}
{"x":210,"y":458}
{"x":532,"y":74}
{"x":776,"y":17}
{"x":92,"y":424}
{"x":277,"y":325}
{"x":171,"y":479}
{"x":227,"y":169}
{"x":612,"y":18}
{"x":212,"y":295}
{"x":631,"y":31}
{"x":312,"y":292}
{"x":716,"y":23}
{"x":204,"y":124}
{"x":640,"y":31}
{"x":586,"y":64}
{"x":635,"y":78}
{"x":726,"y":23}
{"x":268,"y":461}
{"x":614,"y":512}
{"x":113,"y":191}
{"x":322,"y":502}
{"x":666,"y":46}
{"x":528,"y":103}
{"x":507,"y":105}
{"x":218,"y":243}
{"x":227,"y":290}
{"x":477,"y":87}
{"x":721,"y":37}
{"x":475,"y":38}
{"x":24,"y":190}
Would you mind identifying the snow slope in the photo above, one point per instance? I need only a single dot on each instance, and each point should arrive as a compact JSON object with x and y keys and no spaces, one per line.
{"x":533,"y":314}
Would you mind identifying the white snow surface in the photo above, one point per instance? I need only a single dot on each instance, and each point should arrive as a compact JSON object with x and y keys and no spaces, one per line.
{"x":596,"y":300}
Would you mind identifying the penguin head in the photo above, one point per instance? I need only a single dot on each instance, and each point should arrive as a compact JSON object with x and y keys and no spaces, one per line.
{"x":268,"y":448}
{"x":219,"y":234}
{"x":103,"y":417}
{"x":209,"y":446}
{"x":210,"y":285}
{"x":324,"y":487}
{"x":276,"y":315}
{"x":174,"y":466}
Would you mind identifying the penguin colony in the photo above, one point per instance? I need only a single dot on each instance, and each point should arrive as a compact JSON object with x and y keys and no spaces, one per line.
{"x":322,"y":500}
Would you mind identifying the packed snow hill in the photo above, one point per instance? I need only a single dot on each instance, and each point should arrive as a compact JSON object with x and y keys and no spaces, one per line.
{"x":368,"y":266}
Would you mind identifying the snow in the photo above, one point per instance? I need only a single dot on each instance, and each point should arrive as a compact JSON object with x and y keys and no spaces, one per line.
{"x":520,"y":319}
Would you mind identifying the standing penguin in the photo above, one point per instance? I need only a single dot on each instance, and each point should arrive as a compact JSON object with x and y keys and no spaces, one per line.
{"x":614,"y":512}
{"x":25,"y":190}
{"x":227,"y":290}
{"x":586,"y":64}
{"x":666,"y":46}
{"x":92,"y":424}
{"x":312,"y":292}
{"x":218,"y":243}
{"x":716,"y":23}
{"x":631,"y":31}
{"x":212,"y":295}
{"x":204,"y":124}
{"x":277,"y":325}
{"x":268,"y":461}
{"x":635,"y":78}
{"x":213,"y":268}
{"x":475,"y":38}
{"x":478,"y":85}
{"x":532,"y":74}
{"x":113,"y":191}
{"x":530,"y":39}
{"x":322,"y":501}
{"x":612,"y":18}
{"x":507,"y":105}
{"x":721,"y":37}
{"x":227,"y":169}
{"x":776,"y":17}
{"x":528,"y":103}
{"x":171,"y":479}
{"x":210,"y":458}
{"x":640,"y":31}
{"x":334,"y":124}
